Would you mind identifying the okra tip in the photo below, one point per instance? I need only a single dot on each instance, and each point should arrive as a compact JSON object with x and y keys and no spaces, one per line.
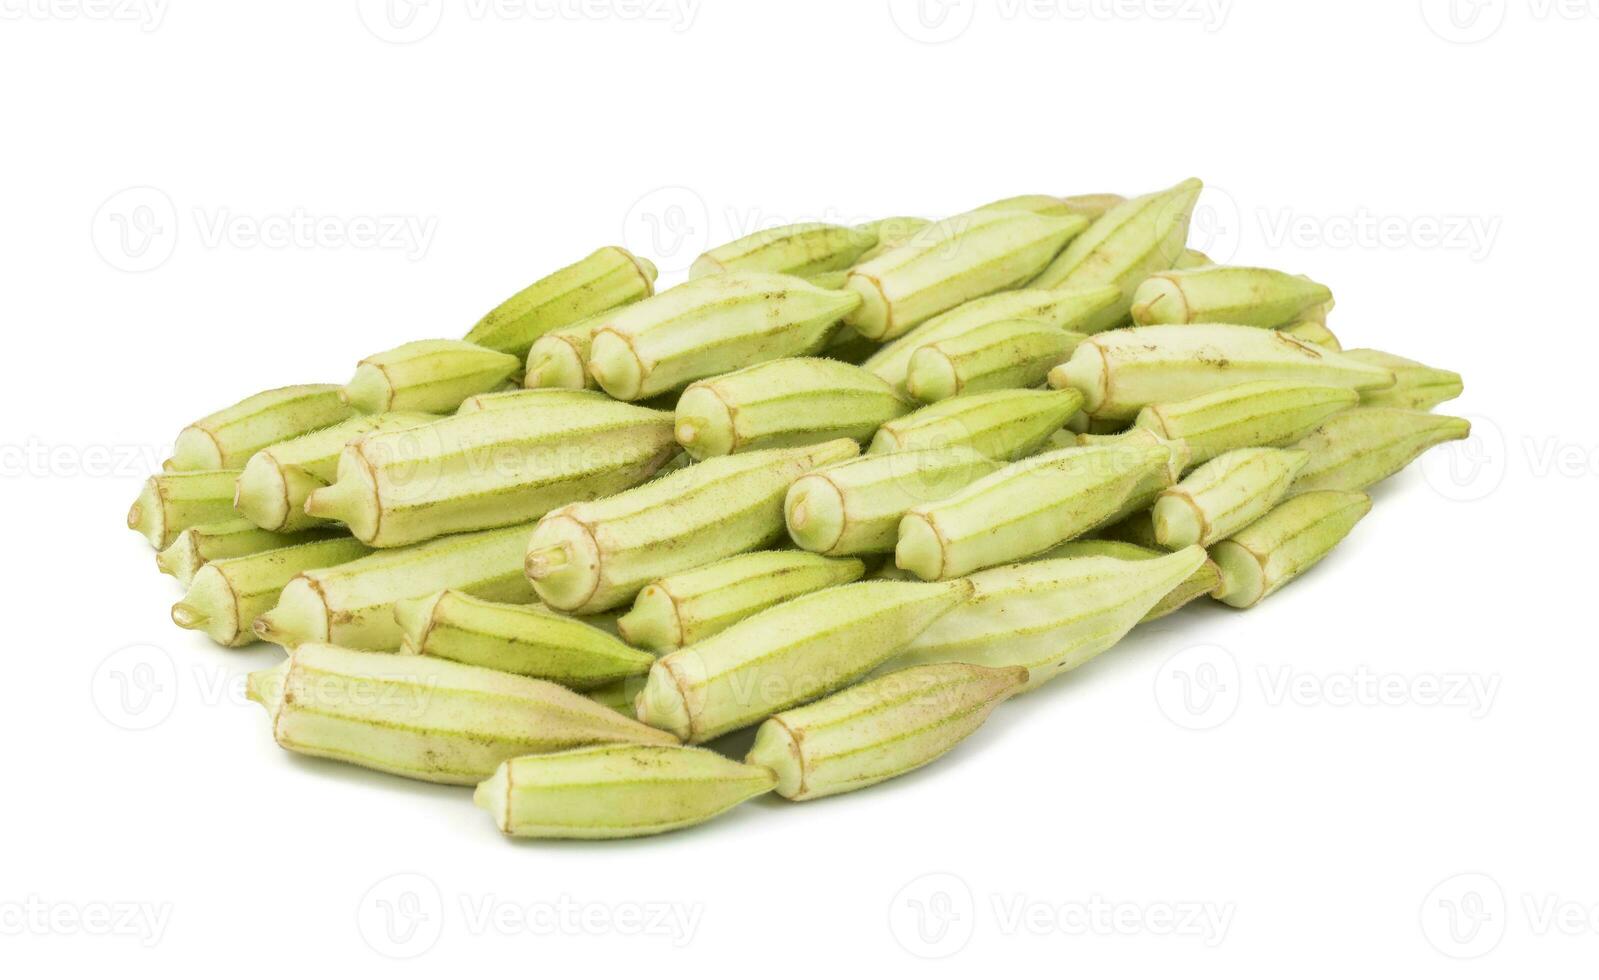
{"x":493,"y":794}
{"x":614,"y":365}
{"x":188,"y":617}
{"x":662,"y":704}
{"x":920,"y":549}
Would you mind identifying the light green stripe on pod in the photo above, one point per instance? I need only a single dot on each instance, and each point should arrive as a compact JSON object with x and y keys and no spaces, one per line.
{"x":426,"y":718}
{"x":1007,"y":354}
{"x":1255,"y":413}
{"x":352,"y":605}
{"x":1178,"y":458}
{"x":1226,"y":294}
{"x":854,"y":507}
{"x":531,"y":400}
{"x":1416,"y":385}
{"x":428,"y":376}
{"x":226,"y":439}
{"x":1091,"y":206}
{"x":593,"y":556}
{"x":530,"y":640}
{"x":793,"y":401}
{"x":1068,"y":309}
{"x":1051,"y":616}
{"x":891,"y":233}
{"x":608,"y":278}
{"x":1005,"y":424}
{"x":1225,"y":495}
{"x":801,"y":250}
{"x":1313,"y":332}
{"x":879,"y":729}
{"x":224,"y":539}
{"x":560,"y":358}
{"x":1125,"y":246}
{"x":491,"y":469}
{"x":691,"y":606}
{"x":616,"y":791}
{"x":954,"y":261}
{"x":1193,"y":259}
{"x":1119,"y":372}
{"x":226,"y":596}
{"x":1025,"y":508}
{"x":1281,"y":546}
{"x":275,"y":482}
{"x":170,"y":503}
{"x":1204,"y":581}
{"x":1364,"y":446}
{"x":789,"y":654}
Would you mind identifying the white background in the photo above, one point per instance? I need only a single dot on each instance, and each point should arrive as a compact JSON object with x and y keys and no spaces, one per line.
{"x":1418,"y":709}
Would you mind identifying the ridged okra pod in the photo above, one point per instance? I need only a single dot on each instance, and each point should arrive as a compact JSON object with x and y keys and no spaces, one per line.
{"x":1204,"y":581}
{"x":531,"y":400}
{"x":560,"y":358}
{"x":170,"y":503}
{"x":426,"y":718}
{"x":226,"y":439}
{"x":597,"y":555}
{"x":1416,"y":385}
{"x":1281,"y":546}
{"x":1178,"y":458}
{"x":227,"y":595}
{"x":789,"y":654}
{"x":225,"y":539}
{"x":1045,"y":204}
{"x":1192,"y":258}
{"x":1227,"y":294}
{"x":879,"y":729}
{"x":710,"y":326}
{"x":1313,"y":332}
{"x":690,"y":606}
{"x":891,"y":233}
{"x":793,"y":401}
{"x":1091,"y":206}
{"x":1365,"y":446}
{"x":1005,"y":424}
{"x":1007,"y":354}
{"x":614,"y":791}
{"x":1227,"y":494}
{"x":608,"y":278}
{"x":428,"y":376}
{"x":802,"y":250}
{"x":530,"y":640}
{"x":352,"y":605}
{"x":491,"y":469}
{"x":1255,"y":413}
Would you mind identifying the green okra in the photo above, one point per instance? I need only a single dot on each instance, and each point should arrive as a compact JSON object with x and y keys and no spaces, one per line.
{"x":1119,"y":372}
{"x":491,"y":469}
{"x":1091,"y":206}
{"x":560,"y":358}
{"x":954,"y":261}
{"x":891,"y":233}
{"x":1007,"y":354}
{"x":1362,"y":447}
{"x":789,"y":654}
{"x":1416,"y":385}
{"x":1005,"y":424}
{"x":170,"y":503}
{"x":276,"y":481}
{"x":604,"y":280}
{"x":792,"y":401}
{"x":427,"y":718}
{"x":618,"y":695}
{"x":226,"y":596}
{"x":1137,"y":528}
{"x":711,"y":326}
{"x":1051,"y":616}
{"x":1178,"y":458}
{"x":1314,"y":332}
{"x":530,"y":640}
{"x":1204,"y":581}
{"x":1062,"y":439}
{"x":879,"y":729}
{"x":687,"y":607}
{"x":1193,"y":259}
{"x":614,"y":791}
{"x":593,"y":556}
{"x":531,"y":400}
{"x":1226,"y":294}
{"x":803,"y":250}
{"x":1255,"y":413}
{"x":226,"y":439}
{"x":428,"y":376}
{"x":352,"y":605}
{"x":854,"y":507}
{"x":233,"y":538}
{"x":1227,"y":494}
{"x":1045,"y":204}
{"x":1295,"y":535}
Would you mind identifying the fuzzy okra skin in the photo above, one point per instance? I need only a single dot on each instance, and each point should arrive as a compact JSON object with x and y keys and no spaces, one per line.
{"x":690,"y":606}
{"x":890,"y":233}
{"x":1315,"y":332}
{"x":954,"y":261}
{"x":427,"y":718}
{"x":560,"y":358}
{"x":530,"y":400}
{"x":1026,"y":508}
{"x":1281,"y":546}
{"x":597,"y":555}
{"x":602,"y":281}
{"x":792,"y":401}
{"x":225,"y":440}
{"x":491,"y":469}
{"x":1364,"y":446}
{"x":352,"y":605}
{"x":854,"y":507}
{"x":1255,"y":413}
{"x":1178,"y":458}
{"x":1051,"y":616}
{"x":710,"y":326}
{"x":802,"y":250}
{"x":1225,"y":495}
{"x":789,"y":654}
{"x":1416,"y":385}
{"x":225,"y":539}
{"x":227,"y":595}
{"x":1227,"y":294}
{"x":1005,"y":424}
{"x":530,"y":640}
{"x":1007,"y":354}
{"x":615,"y":791}
{"x":879,"y":729}
{"x":1204,"y":581}
{"x":1119,"y":372}
{"x":170,"y":503}
{"x":428,"y":376}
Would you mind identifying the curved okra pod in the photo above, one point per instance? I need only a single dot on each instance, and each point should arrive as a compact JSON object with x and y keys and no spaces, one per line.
{"x":1276,"y":549}
{"x":1007,"y":354}
{"x":226,"y":596}
{"x":1227,"y":494}
{"x":170,"y":503}
{"x":1365,"y":446}
{"x":1005,"y":424}
{"x":428,"y":376}
{"x":225,"y":539}
{"x":1204,"y":581}
{"x":1416,"y":385}
{"x":608,"y":278}
{"x":226,"y":439}
{"x":803,"y":250}
{"x":1227,"y":294}
{"x":1255,"y":413}
{"x":1314,"y":332}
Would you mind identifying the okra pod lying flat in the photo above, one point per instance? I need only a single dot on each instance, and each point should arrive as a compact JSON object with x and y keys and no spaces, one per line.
{"x":531,"y":400}
{"x":226,"y":439}
{"x":171,"y":503}
{"x":1005,"y":424}
{"x":802,"y":250}
{"x":1314,"y":332}
{"x":1364,"y":446}
{"x":225,"y":539}
{"x":1227,"y":294}
{"x":428,"y":376}
{"x":1227,"y":494}
{"x":1416,"y":385}
{"x":1255,"y":413}
{"x":1204,"y":581}
{"x":1281,"y":546}
{"x":1007,"y":354}
{"x":608,"y":278}
{"x":227,"y":595}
